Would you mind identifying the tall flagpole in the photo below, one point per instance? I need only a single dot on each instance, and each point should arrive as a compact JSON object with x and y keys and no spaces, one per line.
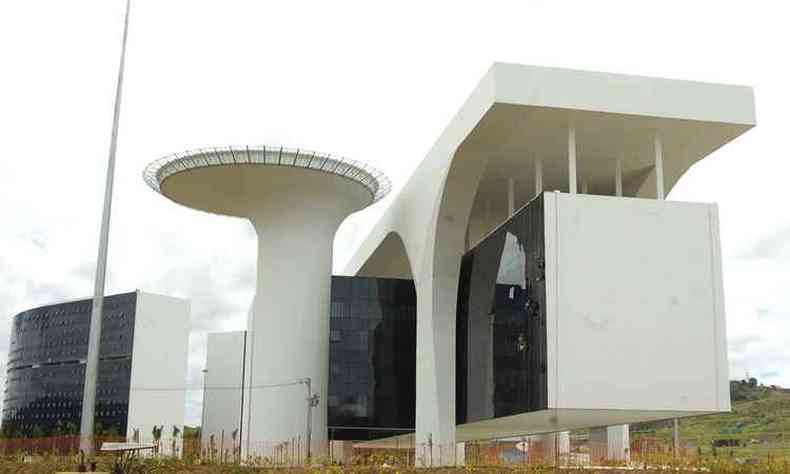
{"x":94,"y":338}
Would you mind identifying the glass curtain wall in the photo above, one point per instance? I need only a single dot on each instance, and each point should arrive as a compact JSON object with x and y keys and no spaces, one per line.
{"x":372,"y":339}
{"x":501,"y":321}
{"x":46,"y":372}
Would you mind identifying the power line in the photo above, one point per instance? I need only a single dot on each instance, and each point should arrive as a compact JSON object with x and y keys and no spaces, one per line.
{"x":208,"y":387}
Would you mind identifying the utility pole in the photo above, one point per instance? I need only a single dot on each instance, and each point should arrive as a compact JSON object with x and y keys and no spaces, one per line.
{"x":94,"y":338}
{"x":203,"y":408}
{"x":312,"y":402}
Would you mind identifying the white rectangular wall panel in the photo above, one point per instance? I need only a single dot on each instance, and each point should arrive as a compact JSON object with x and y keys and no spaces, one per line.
{"x":222,"y":397}
{"x":159,"y":366}
{"x":635,"y":312}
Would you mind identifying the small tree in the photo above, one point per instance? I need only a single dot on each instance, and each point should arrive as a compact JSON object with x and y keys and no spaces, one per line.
{"x":212,"y":449}
{"x":236,"y":449}
{"x":37,"y":432}
{"x":157,"y":434}
{"x":113,"y":430}
{"x":176,"y":432}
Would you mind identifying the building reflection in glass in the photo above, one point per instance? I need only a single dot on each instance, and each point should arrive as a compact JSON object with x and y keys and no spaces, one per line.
{"x":372,"y":358}
{"x":501,"y":322}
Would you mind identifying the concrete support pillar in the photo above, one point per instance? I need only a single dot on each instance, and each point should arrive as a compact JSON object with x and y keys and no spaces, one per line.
{"x":572,"y":158}
{"x":564,"y":443}
{"x":618,"y":177}
{"x":538,"y":175}
{"x":659,"y":165}
{"x":290,"y":307}
{"x":460,"y":454}
{"x":342,"y":452}
{"x":610,"y":443}
{"x":436,"y":282}
{"x":435,"y":411}
{"x":619,"y":443}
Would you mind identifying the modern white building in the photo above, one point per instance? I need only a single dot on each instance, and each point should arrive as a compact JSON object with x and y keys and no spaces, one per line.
{"x":142,"y":367}
{"x":634,"y":311}
{"x":556,"y":287}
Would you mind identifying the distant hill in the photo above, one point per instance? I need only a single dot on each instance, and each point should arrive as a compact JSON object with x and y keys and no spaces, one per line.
{"x":759,"y":412}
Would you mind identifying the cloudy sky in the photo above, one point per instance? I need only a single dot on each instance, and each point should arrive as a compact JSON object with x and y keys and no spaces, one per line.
{"x":372,"y":81}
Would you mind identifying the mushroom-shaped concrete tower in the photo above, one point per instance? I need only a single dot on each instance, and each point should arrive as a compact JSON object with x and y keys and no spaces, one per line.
{"x":295,"y":200}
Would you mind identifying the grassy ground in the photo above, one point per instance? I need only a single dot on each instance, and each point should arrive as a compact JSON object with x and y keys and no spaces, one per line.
{"x":50,"y":465}
{"x":759,"y":423}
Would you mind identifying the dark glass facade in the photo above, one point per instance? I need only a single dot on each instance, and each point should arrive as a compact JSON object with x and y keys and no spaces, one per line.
{"x":372,"y":339}
{"x":46,"y":370}
{"x":501,"y":321}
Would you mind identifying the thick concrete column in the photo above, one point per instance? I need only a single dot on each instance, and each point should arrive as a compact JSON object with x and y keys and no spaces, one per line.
{"x":436,"y":283}
{"x":618,"y":177}
{"x":289,"y":333}
{"x":619,"y":443}
{"x":460,"y":454}
{"x":291,"y":336}
{"x":609,"y":443}
{"x":342,"y":452}
{"x":435,"y":411}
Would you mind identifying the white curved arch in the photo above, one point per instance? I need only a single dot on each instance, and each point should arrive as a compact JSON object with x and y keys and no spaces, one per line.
{"x":389,"y":260}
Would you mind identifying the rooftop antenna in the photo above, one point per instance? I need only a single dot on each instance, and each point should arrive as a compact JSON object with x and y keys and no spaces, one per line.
{"x":94,"y":338}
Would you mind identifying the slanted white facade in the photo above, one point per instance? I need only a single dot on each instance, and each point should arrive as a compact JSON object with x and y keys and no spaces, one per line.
{"x":636,"y":317}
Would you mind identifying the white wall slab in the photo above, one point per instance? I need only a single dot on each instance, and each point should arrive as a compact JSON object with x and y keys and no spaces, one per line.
{"x":159,"y":366}
{"x":223,"y":392}
{"x":637,"y":321}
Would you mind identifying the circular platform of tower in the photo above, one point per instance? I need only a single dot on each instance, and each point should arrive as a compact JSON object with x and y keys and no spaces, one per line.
{"x":233,"y":180}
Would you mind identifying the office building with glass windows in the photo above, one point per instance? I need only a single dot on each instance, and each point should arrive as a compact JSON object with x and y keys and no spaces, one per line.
{"x":142,"y":366}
